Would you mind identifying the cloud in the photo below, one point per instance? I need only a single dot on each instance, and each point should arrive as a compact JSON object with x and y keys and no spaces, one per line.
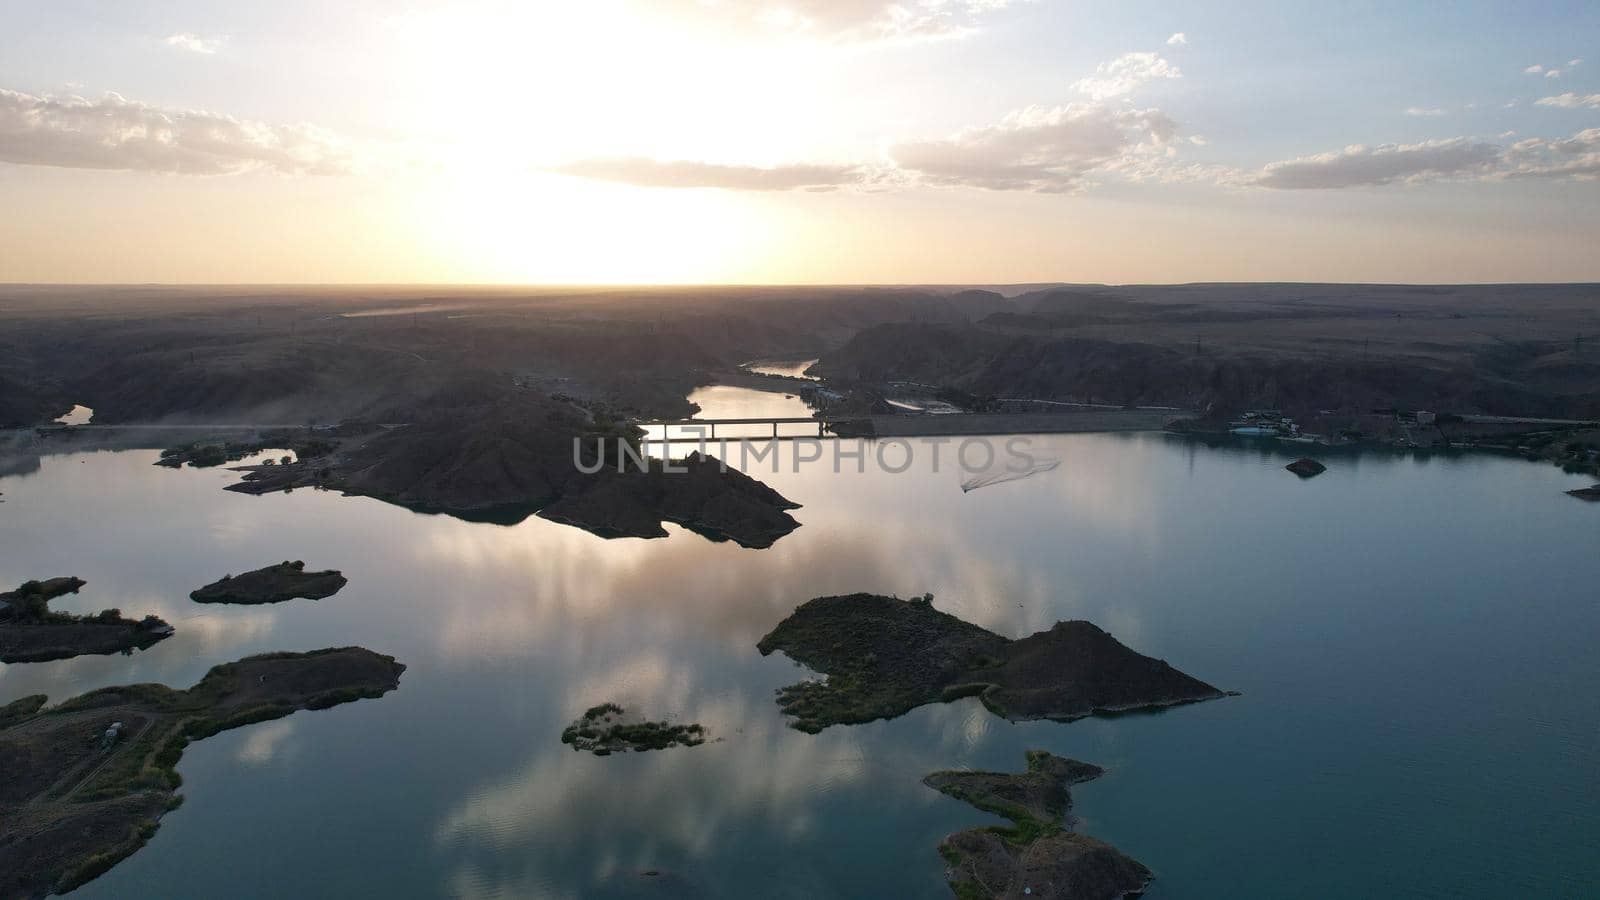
{"x":1125,"y":74}
{"x":643,"y":172}
{"x":1576,"y":158}
{"x":1553,"y":73}
{"x":1424,"y":111}
{"x":195,"y":43}
{"x":1569,"y":100}
{"x":1574,"y":62}
{"x":116,"y":133}
{"x":1178,"y":39}
{"x":845,"y":20}
{"x":1048,"y":150}
{"x":1359,"y":166}
{"x":1533,"y":69}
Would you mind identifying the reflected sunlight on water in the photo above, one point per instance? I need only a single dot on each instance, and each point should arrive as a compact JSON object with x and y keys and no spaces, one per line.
{"x":1412,"y":637}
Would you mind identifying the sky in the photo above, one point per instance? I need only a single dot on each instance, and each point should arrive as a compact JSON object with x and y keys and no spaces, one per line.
{"x":798,"y":141}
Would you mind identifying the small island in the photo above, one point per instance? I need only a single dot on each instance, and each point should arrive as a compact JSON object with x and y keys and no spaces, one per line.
{"x":273,"y":584}
{"x":608,"y":728}
{"x":31,"y":632}
{"x":884,"y":656}
{"x":1588,"y":493}
{"x":1306,"y":467}
{"x":88,"y":780}
{"x":1038,"y":855}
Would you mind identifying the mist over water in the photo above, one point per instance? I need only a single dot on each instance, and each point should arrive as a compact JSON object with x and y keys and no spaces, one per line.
{"x":1413,"y":638}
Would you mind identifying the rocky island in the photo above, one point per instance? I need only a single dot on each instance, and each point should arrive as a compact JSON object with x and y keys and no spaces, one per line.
{"x":1306,"y":467}
{"x":608,"y":728}
{"x":273,"y":584}
{"x":504,"y":461}
{"x":1038,"y":855}
{"x":1589,"y":493}
{"x":884,"y":656}
{"x":31,"y":632}
{"x":89,"y":779}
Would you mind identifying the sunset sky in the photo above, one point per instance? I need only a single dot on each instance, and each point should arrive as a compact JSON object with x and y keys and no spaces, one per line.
{"x":835,"y":141}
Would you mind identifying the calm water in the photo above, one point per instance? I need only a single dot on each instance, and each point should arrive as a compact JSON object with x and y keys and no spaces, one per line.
{"x":1414,"y":639}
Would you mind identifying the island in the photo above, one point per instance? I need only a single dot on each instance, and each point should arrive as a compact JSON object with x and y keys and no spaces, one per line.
{"x":608,"y":728}
{"x":88,"y":780}
{"x":884,"y":656}
{"x":698,"y":493}
{"x":504,"y":461}
{"x":1306,"y":467}
{"x":31,"y":632}
{"x":1589,"y":493}
{"x":273,"y":584}
{"x":1038,"y":855}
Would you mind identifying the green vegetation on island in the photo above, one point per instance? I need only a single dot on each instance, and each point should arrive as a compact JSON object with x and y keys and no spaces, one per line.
{"x":607,"y":729}
{"x":88,"y":780}
{"x":884,"y":656}
{"x":1037,"y":855}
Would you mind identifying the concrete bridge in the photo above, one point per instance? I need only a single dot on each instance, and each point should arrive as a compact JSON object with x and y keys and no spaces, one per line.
{"x":706,"y":429}
{"x":953,"y":424}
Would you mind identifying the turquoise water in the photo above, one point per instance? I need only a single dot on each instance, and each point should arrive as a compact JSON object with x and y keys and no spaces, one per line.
{"x":1414,"y":639}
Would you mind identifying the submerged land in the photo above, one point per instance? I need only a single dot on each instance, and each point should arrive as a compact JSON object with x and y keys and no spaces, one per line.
{"x":31,"y":632}
{"x":272,"y":584}
{"x":88,"y":780}
{"x":884,"y":657}
{"x":1038,"y":854}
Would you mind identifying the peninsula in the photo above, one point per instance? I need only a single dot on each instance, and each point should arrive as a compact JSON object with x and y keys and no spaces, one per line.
{"x":89,"y":779}
{"x":31,"y":632}
{"x":1038,"y":855}
{"x":884,"y":656}
{"x":273,"y":584}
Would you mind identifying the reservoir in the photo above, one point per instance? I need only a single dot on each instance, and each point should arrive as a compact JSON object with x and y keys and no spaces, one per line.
{"x":1413,"y":639}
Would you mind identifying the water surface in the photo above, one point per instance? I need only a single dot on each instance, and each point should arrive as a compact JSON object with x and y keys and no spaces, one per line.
{"x":1414,"y":639}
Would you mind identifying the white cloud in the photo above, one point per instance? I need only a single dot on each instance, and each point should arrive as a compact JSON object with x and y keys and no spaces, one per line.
{"x":1178,"y":39}
{"x":1360,"y":166}
{"x":1048,"y":150}
{"x":643,"y":172}
{"x":195,"y":43}
{"x":1533,"y":69}
{"x":1576,"y":158}
{"x":1424,"y":111}
{"x":1553,"y":73}
{"x":1126,"y":74}
{"x":847,"y":20}
{"x":1569,"y":100}
{"x":115,"y":133}
{"x":1574,"y":62}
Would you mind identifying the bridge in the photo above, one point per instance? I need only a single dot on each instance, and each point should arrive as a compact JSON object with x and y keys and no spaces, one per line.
{"x":706,"y":429}
{"x":1065,"y":421}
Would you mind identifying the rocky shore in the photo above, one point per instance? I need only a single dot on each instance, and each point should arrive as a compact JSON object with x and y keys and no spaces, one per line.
{"x":884,"y":656}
